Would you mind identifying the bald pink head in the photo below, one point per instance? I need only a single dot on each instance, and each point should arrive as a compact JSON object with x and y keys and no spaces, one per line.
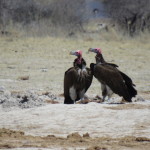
{"x":77,"y":53}
{"x":96,"y":50}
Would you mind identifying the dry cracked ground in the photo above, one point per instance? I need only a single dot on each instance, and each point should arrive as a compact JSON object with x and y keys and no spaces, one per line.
{"x":32,"y":113}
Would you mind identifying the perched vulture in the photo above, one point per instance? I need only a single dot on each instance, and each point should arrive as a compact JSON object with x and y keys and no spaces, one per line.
{"x":77,"y":79}
{"x":112,"y":79}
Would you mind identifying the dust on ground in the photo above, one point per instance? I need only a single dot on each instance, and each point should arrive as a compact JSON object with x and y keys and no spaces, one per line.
{"x":17,"y":139}
{"x":129,"y":106}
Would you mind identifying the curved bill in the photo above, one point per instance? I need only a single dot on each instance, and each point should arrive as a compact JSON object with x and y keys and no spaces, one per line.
{"x":91,"y":50}
{"x":72,"y":53}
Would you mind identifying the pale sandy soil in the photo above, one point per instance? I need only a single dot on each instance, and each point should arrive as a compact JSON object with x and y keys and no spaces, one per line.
{"x":44,"y":61}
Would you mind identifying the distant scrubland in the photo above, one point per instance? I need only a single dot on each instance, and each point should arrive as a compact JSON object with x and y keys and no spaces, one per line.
{"x":55,"y":17}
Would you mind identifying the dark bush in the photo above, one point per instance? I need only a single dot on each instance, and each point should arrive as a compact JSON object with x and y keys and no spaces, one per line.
{"x":65,"y":13}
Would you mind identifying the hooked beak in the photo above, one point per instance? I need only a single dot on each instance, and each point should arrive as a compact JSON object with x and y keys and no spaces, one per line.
{"x":72,"y":53}
{"x":91,"y":50}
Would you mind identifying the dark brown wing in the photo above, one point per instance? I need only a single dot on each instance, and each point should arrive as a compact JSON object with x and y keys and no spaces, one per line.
{"x":88,"y":79}
{"x":69,"y":78}
{"x":79,"y":81}
{"x":130,"y":86}
{"x":110,"y":76}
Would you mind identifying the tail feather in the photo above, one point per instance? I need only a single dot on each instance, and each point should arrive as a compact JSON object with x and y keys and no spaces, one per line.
{"x":132,"y":91}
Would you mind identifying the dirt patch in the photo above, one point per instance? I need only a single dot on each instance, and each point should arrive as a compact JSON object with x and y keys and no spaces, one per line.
{"x":51,"y":101}
{"x":23,"y":78}
{"x":25,"y":99}
{"x":129,"y":106}
{"x":146,"y":94}
{"x":86,"y":101}
{"x":18,"y":139}
{"x":97,"y":148}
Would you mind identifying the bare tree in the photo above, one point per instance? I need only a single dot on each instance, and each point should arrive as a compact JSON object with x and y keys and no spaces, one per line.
{"x":131,"y":15}
{"x":4,"y":16}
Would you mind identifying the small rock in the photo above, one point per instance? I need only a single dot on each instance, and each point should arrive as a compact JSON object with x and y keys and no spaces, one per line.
{"x":51,"y":136}
{"x":2,"y":89}
{"x":86,"y":135}
{"x":138,"y":98}
{"x":23,"y":78}
{"x":97,"y":148}
{"x":24,"y":99}
{"x":142,"y":139}
{"x":7,"y":94}
{"x":75,"y":135}
{"x":44,"y":69}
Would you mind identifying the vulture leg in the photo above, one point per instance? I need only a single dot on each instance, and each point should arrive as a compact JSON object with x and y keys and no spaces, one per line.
{"x":81,"y":94}
{"x":109,"y":92}
{"x":73,"y":93}
{"x":68,"y":100}
{"x":104,"y":91}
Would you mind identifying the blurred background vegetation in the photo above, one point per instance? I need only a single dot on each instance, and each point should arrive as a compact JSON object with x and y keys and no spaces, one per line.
{"x":69,"y":18}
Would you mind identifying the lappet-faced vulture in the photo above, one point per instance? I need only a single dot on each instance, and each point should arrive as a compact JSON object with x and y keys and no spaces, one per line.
{"x":111,"y":78}
{"x":77,"y":79}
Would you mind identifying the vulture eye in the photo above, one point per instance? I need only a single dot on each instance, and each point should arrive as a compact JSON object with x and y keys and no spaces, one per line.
{"x":77,"y":54}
